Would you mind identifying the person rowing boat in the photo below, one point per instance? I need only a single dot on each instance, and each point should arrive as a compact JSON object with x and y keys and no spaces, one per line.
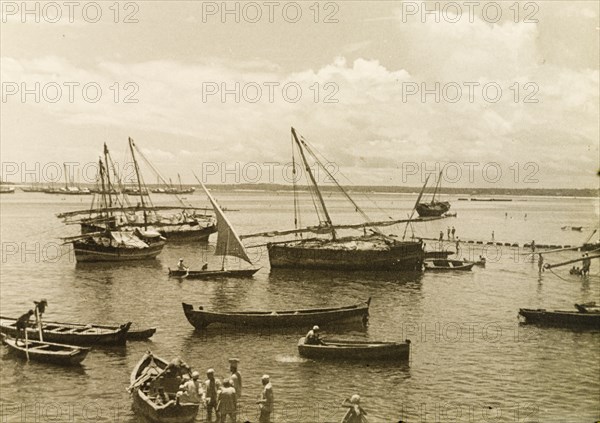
{"x":355,"y":413}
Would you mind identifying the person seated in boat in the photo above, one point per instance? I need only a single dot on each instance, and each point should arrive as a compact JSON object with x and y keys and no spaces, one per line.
{"x":162,"y":398}
{"x":21,"y":324}
{"x":312,"y":337}
{"x":176,"y":369}
{"x":192,"y":389}
{"x":205,"y":266}
{"x":355,"y":414}
{"x":181,"y":266}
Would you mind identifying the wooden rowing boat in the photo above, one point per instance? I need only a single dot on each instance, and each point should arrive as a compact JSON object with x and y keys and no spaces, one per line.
{"x":200,"y":319}
{"x":145,"y":384}
{"x":355,"y":350}
{"x":213,"y":274}
{"x":441,"y":265}
{"x":71,"y":333}
{"x":589,"y":318}
{"x":47,"y":351}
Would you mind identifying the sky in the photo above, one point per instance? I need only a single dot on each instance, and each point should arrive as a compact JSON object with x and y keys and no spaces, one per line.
{"x":502,"y":94}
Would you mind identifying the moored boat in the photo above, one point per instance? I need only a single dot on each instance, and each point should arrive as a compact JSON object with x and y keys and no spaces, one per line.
{"x":355,"y":350}
{"x":7,"y":190}
{"x":371,"y":251}
{"x":46,"y":351}
{"x":441,"y":265}
{"x":201,"y":318}
{"x":433,"y":208}
{"x":117,"y":246}
{"x":145,"y":382}
{"x":70,"y":333}
{"x":583,"y":317}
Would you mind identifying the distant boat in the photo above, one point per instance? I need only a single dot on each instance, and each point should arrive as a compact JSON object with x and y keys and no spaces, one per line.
{"x":7,"y":190}
{"x":228,"y":244}
{"x":172,"y":189}
{"x":441,"y":265}
{"x":33,"y":188}
{"x":47,"y":351}
{"x":433,"y":208}
{"x":585,"y":317}
{"x":145,"y":382}
{"x":572,"y":228}
{"x":201,"y":318}
{"x":491,"y":199}
{"x":372,"y":251}
{"x":355,"y":350}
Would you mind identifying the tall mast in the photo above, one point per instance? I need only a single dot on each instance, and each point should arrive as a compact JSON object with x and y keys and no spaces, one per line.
{"x":137,"y":174}
{"x":107,"y":176}
{"x":101,"y":167}
{"x":66,"y":177}
{"x":180,"y":186}
{"x":436,"y":186}
{"x":314,"y":182}
{"x":415,"y":207}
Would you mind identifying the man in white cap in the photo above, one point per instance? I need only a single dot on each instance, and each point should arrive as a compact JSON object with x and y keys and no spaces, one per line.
{"x":355,"y":414}
{"x":181,"y":266}
{"x":193,"y":389}
{"x":266,"y":400}
{"x":211,"y":387}
{"x":312,"y":337}
{"x":236,"y":377}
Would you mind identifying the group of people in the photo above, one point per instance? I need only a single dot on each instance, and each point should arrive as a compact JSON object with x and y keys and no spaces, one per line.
{"x":451,"y":233}
{"x":219,"y":397}
{"x":586,"y":262}
{"x":184,"y":268}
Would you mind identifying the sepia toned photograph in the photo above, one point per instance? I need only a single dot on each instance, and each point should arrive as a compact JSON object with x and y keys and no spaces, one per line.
{"x":306,"y":211}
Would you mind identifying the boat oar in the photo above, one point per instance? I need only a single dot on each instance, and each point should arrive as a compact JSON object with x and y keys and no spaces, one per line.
{"x":26,"y":345}
{"x":38,"y":317}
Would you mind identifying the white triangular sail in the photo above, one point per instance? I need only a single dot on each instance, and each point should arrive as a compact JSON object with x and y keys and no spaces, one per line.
{"x":228,"y":241}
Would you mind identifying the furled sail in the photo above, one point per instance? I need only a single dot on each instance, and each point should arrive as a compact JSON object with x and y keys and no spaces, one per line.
{"x":228,"y":242}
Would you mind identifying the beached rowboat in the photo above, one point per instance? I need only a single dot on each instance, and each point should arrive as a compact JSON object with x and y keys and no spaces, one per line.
{"x":355,"y":350}
{"x":143,"y":394}
{"x":72,"y":333}
{"x":200,"y":319}
{"x":47,"y":351}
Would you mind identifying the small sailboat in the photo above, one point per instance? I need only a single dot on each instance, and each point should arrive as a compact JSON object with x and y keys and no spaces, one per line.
{"x":433,"y":208}
{"x":228,"y":244}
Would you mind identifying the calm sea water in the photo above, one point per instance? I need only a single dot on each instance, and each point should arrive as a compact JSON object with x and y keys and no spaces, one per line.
{"x":470,"y":360}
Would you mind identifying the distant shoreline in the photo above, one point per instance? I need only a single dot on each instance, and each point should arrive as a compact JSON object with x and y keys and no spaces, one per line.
{"x":384,"y":189}
{"x":464,"y":192}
